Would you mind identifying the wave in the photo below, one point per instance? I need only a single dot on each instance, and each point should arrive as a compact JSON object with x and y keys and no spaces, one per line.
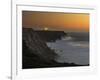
{"x":79,"y":44}
{"x":67,"y":38}
{"x":71,"y":51}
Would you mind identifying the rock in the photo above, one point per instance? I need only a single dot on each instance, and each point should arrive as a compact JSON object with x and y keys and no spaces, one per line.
{"x":35,"y":52}
{"x":51,"y":36}
{"x":34,"y":47}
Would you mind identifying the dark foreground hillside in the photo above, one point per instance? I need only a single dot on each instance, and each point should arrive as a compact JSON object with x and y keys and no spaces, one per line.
{"x":36,"y":54}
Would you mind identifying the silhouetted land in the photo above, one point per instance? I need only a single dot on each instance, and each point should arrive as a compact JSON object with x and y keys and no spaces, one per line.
{"x":35,"y":52}
{"x":50,"y":36}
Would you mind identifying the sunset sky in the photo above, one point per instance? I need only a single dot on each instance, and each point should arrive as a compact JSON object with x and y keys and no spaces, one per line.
{"x":56,"y":21}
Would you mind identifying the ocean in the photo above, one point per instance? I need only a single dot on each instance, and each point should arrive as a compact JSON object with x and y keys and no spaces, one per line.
{"x":72,"y":48}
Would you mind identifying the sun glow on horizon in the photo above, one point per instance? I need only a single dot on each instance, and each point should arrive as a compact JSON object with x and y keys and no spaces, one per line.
{"x":56,"y":21}
{"x":46,"y":29}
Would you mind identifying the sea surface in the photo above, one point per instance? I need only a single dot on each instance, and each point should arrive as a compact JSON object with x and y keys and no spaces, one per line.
{"x":72,"y":49}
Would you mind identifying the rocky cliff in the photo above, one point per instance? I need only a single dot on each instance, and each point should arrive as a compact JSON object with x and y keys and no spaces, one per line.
{"x":37,"y":45}
{"x":36,"y":54}
{"x":51,"y":36}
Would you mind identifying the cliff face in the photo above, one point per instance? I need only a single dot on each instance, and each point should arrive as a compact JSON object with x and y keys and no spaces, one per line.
{"x":36,"y":54}
{"x":51,"y":36}
{"x":37,"y":45}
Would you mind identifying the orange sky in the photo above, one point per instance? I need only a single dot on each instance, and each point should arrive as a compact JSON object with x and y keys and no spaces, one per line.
{"x":56,"y":21}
